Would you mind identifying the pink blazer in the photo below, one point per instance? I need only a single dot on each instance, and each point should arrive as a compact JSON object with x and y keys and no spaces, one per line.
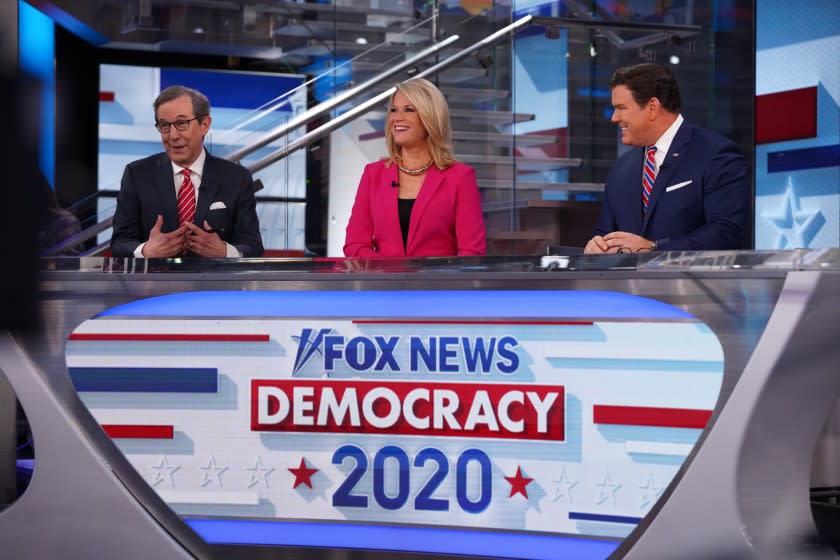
{"x":446,"y":219}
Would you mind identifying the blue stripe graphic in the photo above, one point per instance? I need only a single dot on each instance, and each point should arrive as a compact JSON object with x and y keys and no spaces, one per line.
{"x":581,"y":516}
{"x":251,"y":90}
{"x":806,"y":158}
{"x":710,"y":366}
{"x":444,"y":304}
{"x":400,"y":538}
{"x":144,"y":380}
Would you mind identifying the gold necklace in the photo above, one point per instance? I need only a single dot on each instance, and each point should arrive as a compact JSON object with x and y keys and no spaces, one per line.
{"x":417,"y":171}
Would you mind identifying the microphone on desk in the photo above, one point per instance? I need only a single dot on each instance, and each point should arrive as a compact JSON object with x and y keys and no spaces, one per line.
{"x":395,"y":184}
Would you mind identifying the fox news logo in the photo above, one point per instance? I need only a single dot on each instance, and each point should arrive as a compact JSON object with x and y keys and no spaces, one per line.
{"x":383,"y":354}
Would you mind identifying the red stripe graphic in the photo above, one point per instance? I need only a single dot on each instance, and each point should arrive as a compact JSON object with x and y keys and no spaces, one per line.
{"x":556,"y":146}
{"x":171,"y":337}
{"x":651,"y":416}
{"x":106,"y":96}
{"x":799,"y":107}
{"x":138,"y":431}
{"x":372,"y":135}
{"x":465,"y":322}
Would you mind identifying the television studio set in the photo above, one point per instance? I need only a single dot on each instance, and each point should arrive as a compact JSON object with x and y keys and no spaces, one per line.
{"x":420,"y":279}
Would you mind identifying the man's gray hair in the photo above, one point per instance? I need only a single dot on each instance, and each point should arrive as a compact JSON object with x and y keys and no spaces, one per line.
{"x":200,"y":104}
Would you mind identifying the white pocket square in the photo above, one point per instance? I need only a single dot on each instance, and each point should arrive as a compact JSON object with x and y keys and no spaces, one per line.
{"x":218,"y":205}
{"x":669,"y":189}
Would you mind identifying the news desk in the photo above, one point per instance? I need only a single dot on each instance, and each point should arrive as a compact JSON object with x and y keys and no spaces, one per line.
{"x":664,"y":405}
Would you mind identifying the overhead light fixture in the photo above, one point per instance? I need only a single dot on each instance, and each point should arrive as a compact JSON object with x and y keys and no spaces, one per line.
{"x":674,"y":59}
{"x":199,"y":30}
{"x":361,"y":41}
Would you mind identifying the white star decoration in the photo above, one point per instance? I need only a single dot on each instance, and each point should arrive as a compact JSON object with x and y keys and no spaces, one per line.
{"x":563,"y":487}
{"x":608,"y":489}
{"x":651,"y":492}
{"x":211,"y":473}
{"x":796,"y":227}
{"x":259,"y":473}
{"x":164,"y":470}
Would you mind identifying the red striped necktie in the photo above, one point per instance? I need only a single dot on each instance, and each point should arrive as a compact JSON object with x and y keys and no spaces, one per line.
{"x":186,"y":199}
{"x":649,"y":175}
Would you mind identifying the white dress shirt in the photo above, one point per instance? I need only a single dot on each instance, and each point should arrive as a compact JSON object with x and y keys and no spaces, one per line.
{"x":663,"y":144}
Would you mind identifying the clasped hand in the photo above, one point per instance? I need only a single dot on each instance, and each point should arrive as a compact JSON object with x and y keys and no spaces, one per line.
{"x":187,"y":238}
{"x":616,"y":240}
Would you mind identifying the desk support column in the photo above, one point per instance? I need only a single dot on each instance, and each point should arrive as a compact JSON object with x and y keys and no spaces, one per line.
{"x":8,"y":453}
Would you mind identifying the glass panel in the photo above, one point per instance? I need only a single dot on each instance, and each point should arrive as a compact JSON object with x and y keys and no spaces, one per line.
{"x":282,"y":226}
{"x":105,"y":206}
{"x":561,"y":74}
{"x":485,"y":118}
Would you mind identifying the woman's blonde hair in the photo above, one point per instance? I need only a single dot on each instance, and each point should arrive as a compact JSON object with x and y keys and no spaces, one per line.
{"x":434,"y":114}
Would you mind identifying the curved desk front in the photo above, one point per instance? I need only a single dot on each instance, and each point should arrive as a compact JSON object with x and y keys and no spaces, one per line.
{"x":656,"y":406}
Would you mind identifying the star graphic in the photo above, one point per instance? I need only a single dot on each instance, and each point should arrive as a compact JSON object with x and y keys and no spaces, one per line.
{"x":258,"y":472}
{"x":608,"y":489}
{"x":796,"y":227}
{"x":164,"y":470}
{"x":651,"y":491}
{"x":303,"y":474}
{"x":518,"y":482}
{"x":563,"y":487}
{"x":212,"y":473}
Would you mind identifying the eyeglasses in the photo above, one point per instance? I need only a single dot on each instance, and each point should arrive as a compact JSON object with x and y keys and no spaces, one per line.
{"x":627,"y":250}
{"x":181,"y":124}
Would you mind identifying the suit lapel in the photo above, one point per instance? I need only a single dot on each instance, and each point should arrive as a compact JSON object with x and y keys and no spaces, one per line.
{"x":431,"y":183}
{"x":165,"y":186}
{"x":676,"y":154}
{"x":207,"y":191}
{"x":390,"y":194}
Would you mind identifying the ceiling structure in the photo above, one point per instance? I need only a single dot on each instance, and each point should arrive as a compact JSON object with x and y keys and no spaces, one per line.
{"x":282,"y":31}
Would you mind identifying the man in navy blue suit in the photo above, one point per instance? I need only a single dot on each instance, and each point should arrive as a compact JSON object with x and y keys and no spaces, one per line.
{"x":699,"y":179}
{"x":221,"y":217}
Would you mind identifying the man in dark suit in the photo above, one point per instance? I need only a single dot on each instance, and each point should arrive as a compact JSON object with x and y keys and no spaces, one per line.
{"x":697,"y":191}
{"x":185,"y":201}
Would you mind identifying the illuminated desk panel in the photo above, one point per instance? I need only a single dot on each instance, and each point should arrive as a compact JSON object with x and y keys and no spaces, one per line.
{"x":532,"y":411}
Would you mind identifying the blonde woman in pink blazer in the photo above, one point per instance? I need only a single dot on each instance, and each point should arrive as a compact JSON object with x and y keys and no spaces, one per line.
{"x":419,"y":202}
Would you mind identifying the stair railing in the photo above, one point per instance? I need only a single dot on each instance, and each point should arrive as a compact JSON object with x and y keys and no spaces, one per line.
{"x":547,"y":22}
{"x":327,"y":106}
{"x":378,"y":100}
{"x":284,"y":99}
